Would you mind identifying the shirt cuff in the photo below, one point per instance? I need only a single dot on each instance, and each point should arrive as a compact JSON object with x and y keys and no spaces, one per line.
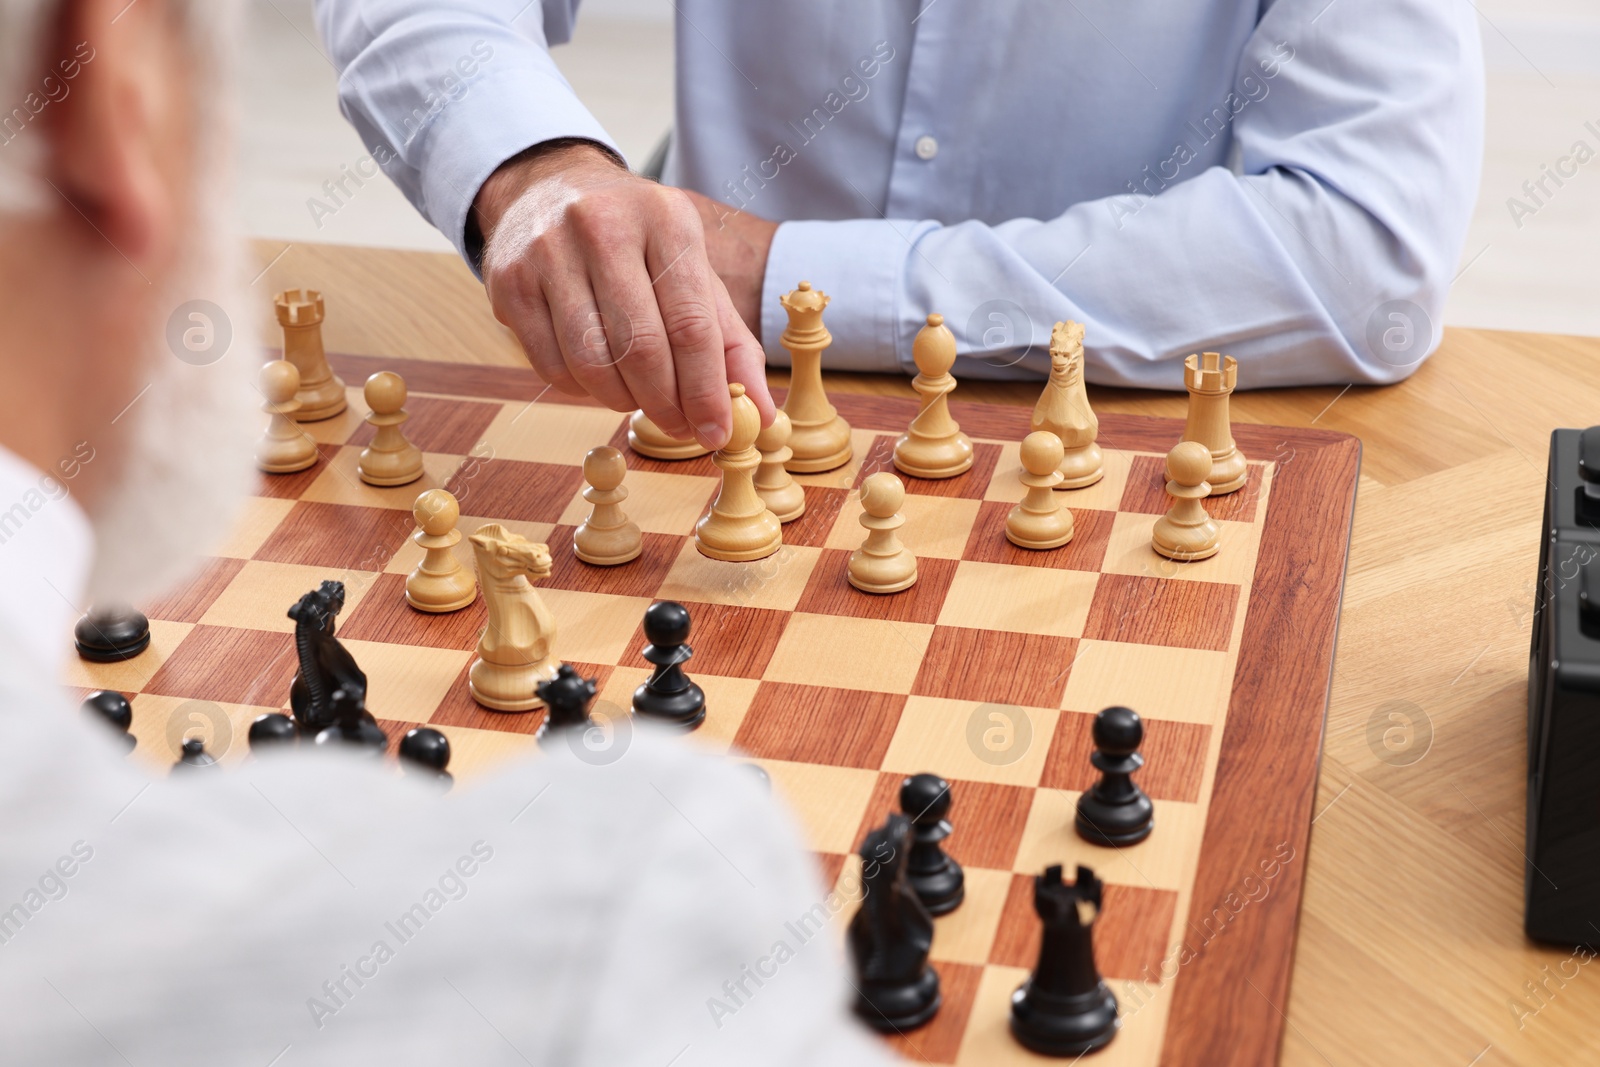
{"x":497,"y":118}
{"x":860,"y":264}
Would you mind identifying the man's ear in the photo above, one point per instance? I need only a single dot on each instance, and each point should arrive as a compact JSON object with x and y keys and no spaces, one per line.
{"x":111,"y":132}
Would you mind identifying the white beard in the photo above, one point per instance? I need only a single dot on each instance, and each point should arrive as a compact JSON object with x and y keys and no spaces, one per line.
{"x":188,"y":461}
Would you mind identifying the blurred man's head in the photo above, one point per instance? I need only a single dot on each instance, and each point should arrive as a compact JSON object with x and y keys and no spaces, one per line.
{"x":112,"y":224}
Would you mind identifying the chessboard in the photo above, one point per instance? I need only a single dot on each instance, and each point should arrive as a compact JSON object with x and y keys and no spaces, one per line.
{"x":988,"y":671}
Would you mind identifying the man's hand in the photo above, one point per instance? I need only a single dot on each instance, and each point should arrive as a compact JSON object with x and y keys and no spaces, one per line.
{"x":604,"y":278}
{"x":737,"y":244}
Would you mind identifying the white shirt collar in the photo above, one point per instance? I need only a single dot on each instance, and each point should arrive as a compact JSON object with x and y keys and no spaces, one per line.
{"x":46,"y":547}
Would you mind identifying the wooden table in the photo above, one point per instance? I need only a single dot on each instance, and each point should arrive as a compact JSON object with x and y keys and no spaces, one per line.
{"x":1411,"y":948}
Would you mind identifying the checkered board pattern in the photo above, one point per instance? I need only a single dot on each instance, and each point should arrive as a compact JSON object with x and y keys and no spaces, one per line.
{"x":988,"y":671}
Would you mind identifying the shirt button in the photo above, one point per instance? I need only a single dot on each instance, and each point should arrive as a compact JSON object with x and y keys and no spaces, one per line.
{"x":926,"y":147}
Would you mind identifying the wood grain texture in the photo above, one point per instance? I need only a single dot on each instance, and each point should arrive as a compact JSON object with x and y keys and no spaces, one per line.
{"x":1174,"y":757}
{"x":1091,"y":532}
{"x":1156,"y":611}
{"x":811,"y":724}
{"x":989,"y":819}
{"x":1128,"y":939}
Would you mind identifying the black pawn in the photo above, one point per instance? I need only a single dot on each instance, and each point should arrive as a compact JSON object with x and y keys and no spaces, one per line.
{"x":1064,"y":1008}
{"x":352,"y":725}
{"x":425,"y":751}
{"x":112,"y":707}
{"x":668,"y":694}
{"x":566,"y":701}
{"x":194,"y":755}
{"x":1116,"y":811}
{"x":271,"y":731}
{"x":937,"y":879}
{"x":107,"y":635}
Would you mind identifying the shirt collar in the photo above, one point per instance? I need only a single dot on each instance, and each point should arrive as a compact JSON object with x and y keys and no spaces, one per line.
{"x":46,"y":546}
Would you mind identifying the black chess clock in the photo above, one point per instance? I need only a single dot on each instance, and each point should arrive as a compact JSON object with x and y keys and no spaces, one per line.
{"x":1563,"y":846}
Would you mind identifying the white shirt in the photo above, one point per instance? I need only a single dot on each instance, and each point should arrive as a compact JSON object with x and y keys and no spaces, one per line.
{"x":312,"y":909}
{"x":1289,"y":181}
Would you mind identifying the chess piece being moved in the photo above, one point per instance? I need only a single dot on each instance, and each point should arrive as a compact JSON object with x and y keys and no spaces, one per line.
{"x":1210,"y":379}
{"x":934,"y":446}
{"x":273,"y":731}
{"x":113,"y":709}
{"x":1040,"y":521}
{"x":607,"y":537}
{"x":668,"y":695}
{"x":1187,"y":531}
{"x":110,"y":634}
{"x":566,"y":697}
{"x":890,"y":936}
{"x":882,"y":564}
{"x":321,"y":393}
{"x":425,"y":752}
{"x":324,"y":666}
{"x":1064,"y":1008}
{"x":1116,"y":812}
{"x":283,"y":447}
{"x":739,"y":527}
{"x":516,"y":650}
{"x":390,"y":459}
{"x":783,"y":496}
{"x":353,"y":726}
{"x":937,"y":879}
{"x":821,"y":439}
{"x":1064,"y":410}
{"x":648,"y":439}
{"x":439,"y":583}
{"x":193,"y":755}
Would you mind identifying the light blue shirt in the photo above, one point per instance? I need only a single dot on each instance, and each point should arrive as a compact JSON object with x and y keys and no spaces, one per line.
{"x":1288,"y":181}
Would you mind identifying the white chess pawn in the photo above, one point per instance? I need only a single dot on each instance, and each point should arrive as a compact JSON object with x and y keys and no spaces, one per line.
{"x":1187,"y":531}
{"x":784,"y":496}
{"x":882,"y":564}
{"x":439,"y":583}
{"x":739,"y":527}
{"x":607,"y":537}
{"x":284,"y":447}
{"x":390,"y":459}
{"x":1040,"y":521}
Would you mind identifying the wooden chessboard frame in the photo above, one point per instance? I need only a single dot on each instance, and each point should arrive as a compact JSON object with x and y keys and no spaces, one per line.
{"x":1230,"y":993}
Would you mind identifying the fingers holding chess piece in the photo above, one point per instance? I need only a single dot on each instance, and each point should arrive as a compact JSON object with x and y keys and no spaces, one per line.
{"x":777,"y":488}
{"x":1040,"y":521}
{"x":439,"y":583}
{"x":1115,"y":811}
{"x":882,"y":564}
{"x":283,"y":448}
{"x":934,"y":446}
{"x":390,"y":459}
{"x":607,"y":537}
{"x":1187,"y":532}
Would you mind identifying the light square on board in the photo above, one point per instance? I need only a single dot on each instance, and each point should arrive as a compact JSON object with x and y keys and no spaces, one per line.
{"x":130,"y":675}
{"x":964,"y":935}
{"x":187,"y":603}
{"x":164,"y":722}
{"x":726,"y":639}
{"x":438,"y":424}
{"x":548,"y":433}
{"x":340,"y":482}
{"x":829,"y":591}
{"x":594,"y":627}
{"x":935,"y":526}
{"x":1104,"y":495}
{"x":1037,"y":600}
{"x":1147,"y":491}
{"x":337,"y":537}
{"x":385,"y":615}
{"x":775,"y":582}
{"x":1159,"y":682}
{"x":1028,"y":669}
{"x":406,"y":682}
{"x":971,"y":485}
{"x":514,"y":489}
{"x":838,"y":651}
{"x":827,"y":801}
{"x":1128,"y":551}
{"x":1131,"y":934}
{"x":1085,"y":552}
{"x":477,"y":752}
{"x":256,"y":520}
{"x":810,"y":724}
{"x":1166,"y":859}
{"x":1161,"y":611}
{"x":970,"y":741}
{"x":988,"y":817}
{"x":261,"y":594}
{"x":658,"y":503}
{"x":1175,"y":757}
{"x":225,"y":664}
{"x":337,"y":430}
